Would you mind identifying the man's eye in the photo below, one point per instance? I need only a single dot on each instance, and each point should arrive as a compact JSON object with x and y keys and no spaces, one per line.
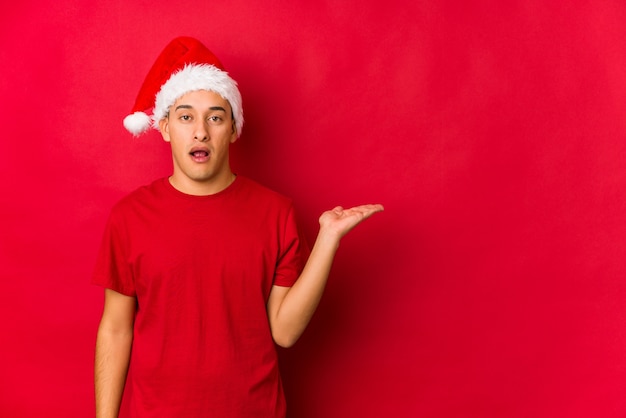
{"x":185,"y":117}
{"x":214,"y":119}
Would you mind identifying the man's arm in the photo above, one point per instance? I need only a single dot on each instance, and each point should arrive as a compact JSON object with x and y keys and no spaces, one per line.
{"x":290,"y":308}
{"x":113,"y":345}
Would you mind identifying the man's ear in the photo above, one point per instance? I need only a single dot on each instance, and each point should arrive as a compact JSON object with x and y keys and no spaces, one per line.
{"x":233,"y":135}
{"x":164,"y":127}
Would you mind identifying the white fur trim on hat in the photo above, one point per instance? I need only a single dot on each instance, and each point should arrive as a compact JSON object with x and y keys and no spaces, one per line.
{"x":195,"y":77}
{"x":137,"y":123}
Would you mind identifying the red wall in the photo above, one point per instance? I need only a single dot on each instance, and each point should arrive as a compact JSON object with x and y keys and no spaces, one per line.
{"x":492,"y":286}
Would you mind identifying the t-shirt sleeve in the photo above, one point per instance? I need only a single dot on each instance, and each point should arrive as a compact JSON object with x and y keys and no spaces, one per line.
{"x":112,"y":269}
{"x":294,"y":252}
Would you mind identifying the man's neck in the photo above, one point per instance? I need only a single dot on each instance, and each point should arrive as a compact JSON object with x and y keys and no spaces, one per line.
{"x":202,"y":188}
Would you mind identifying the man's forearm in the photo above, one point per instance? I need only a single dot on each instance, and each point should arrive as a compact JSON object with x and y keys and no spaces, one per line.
{"x":291,"y":309}
{"x":111,"y":367}
{"x":303,"y":297}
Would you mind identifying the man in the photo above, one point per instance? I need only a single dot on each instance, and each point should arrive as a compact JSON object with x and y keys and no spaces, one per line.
{"x":205,"y":270}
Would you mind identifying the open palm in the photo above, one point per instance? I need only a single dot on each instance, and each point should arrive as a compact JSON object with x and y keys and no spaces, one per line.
{"x":340,"y":221}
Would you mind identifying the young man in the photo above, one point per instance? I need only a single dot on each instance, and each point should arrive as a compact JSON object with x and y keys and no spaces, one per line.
{"x":203,"y":271}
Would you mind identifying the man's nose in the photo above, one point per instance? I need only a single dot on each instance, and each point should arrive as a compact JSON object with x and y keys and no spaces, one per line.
{"x":201,"y":133}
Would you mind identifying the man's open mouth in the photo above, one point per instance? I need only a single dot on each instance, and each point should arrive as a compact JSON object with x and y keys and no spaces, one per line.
{"x":199,"y":154}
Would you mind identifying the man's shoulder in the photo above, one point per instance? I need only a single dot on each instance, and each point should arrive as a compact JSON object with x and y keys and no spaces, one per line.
{"x":146,"y":193}
{"x":260,"y":191}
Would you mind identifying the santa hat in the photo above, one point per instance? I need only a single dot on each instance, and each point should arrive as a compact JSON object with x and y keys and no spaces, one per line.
{"x":184,"y":65}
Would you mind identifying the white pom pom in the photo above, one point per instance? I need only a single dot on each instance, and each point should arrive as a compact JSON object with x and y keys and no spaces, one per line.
{"x":137,"y":123}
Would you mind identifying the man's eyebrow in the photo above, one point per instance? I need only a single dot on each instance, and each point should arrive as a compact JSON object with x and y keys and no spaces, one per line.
{"x":184,"y":106}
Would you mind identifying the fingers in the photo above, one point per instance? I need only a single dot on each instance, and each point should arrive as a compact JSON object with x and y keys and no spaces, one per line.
{"x":361,"y":212}
{"x":339,"y":221}
{"x":368,"y":210}
{"x":374,"y":208}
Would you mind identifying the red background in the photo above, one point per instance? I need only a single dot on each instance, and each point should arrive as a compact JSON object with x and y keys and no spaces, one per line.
{"x":492,"y":285}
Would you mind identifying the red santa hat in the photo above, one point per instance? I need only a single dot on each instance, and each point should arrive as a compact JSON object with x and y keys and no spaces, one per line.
{"x":184,"y":65}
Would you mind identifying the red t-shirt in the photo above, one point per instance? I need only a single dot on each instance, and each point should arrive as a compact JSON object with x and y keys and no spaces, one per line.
{"x":201,"y":268}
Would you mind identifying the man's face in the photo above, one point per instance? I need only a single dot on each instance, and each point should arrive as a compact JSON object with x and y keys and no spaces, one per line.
{"x":200,"y":129}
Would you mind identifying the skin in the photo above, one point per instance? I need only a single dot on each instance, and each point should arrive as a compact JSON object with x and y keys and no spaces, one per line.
{"x":200,"y":121}
{"x":200,"y":129}
{"x":113,"y":345}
